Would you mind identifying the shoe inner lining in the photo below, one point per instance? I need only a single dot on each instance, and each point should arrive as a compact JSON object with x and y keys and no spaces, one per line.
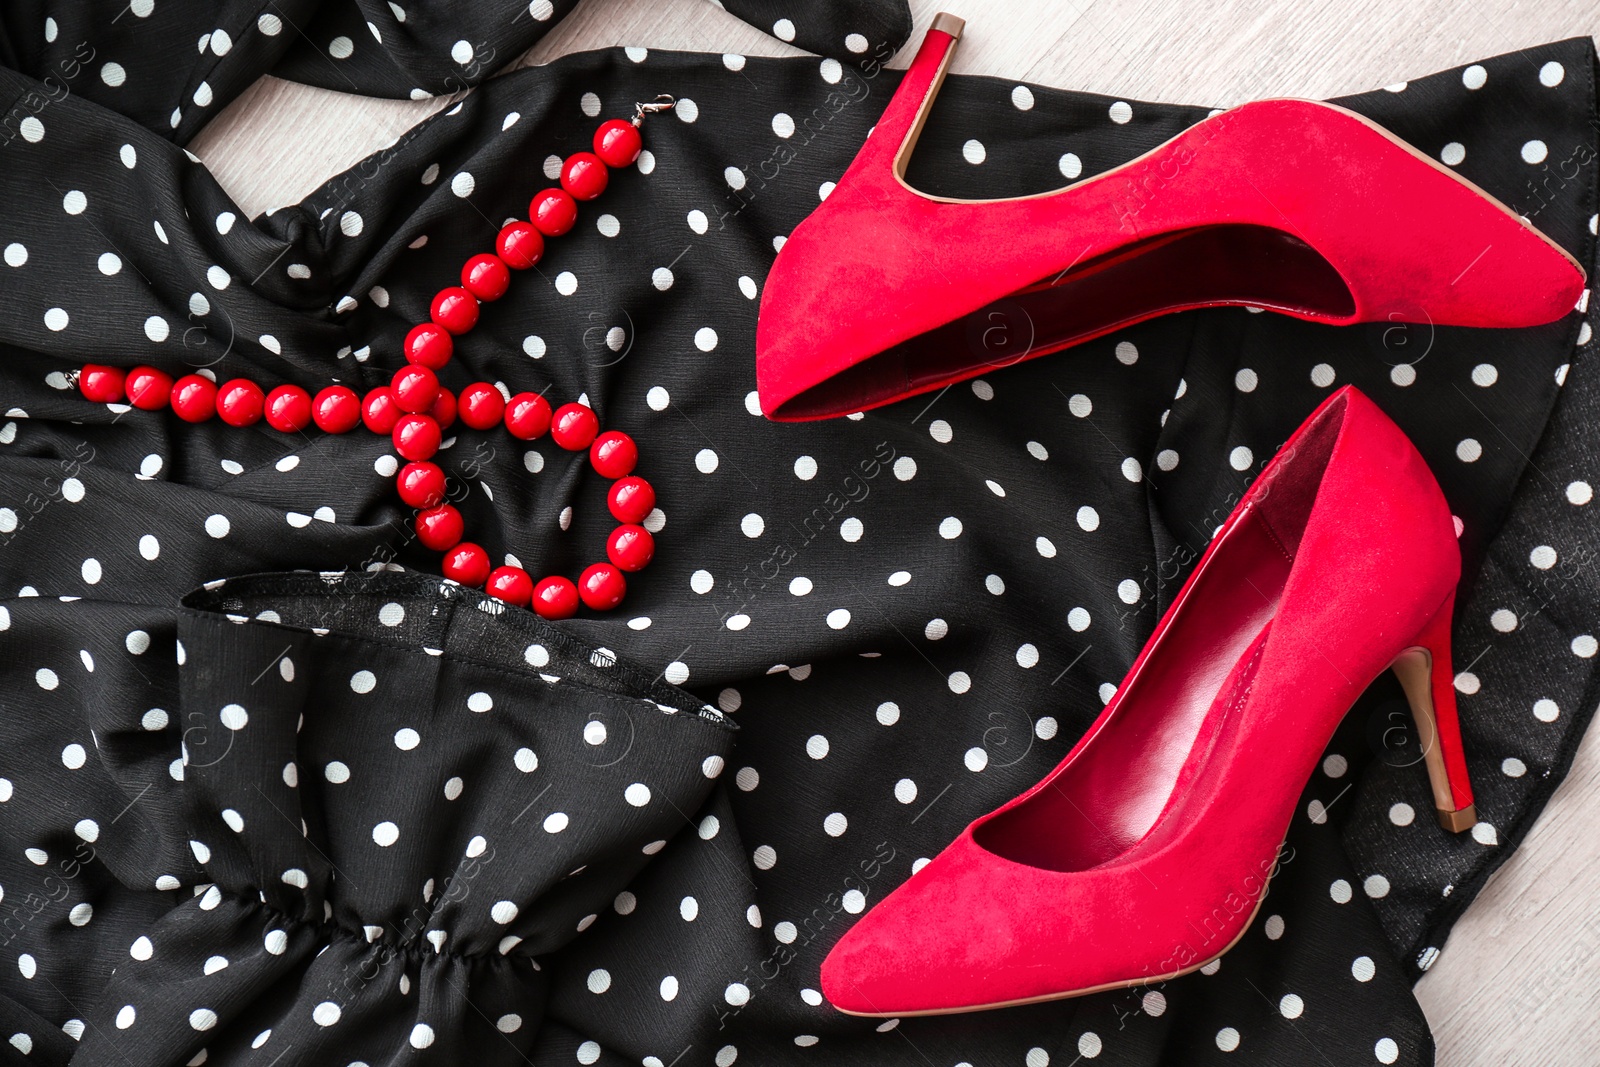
{"x":1211,"y":266}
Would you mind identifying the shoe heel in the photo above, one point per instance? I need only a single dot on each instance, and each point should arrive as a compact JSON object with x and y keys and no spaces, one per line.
{"x":888,"y":148}
{"x":1428,"y":679}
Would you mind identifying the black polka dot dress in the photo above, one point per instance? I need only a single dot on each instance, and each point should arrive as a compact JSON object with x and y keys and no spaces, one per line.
{"x":272,"y":792}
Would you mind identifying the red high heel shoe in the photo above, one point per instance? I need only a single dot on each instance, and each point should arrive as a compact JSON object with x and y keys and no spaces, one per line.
{"x":1146,"y":852}
{"x":1299,"y":207}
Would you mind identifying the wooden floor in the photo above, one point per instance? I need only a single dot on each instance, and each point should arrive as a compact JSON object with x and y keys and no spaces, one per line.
{"x":1516,"y":983}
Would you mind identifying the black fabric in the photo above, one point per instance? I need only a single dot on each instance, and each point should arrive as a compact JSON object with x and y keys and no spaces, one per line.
{"x":910,"y":614}
{"x":174,"y":66}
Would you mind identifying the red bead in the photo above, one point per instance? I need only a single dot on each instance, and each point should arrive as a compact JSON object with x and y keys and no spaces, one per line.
{"x":631,"y":499}
{"x":527,"y":416}
{"x":481,"y":405}
{"x":289,"y":409}
{"x":336,"y":409}
{"x":602,"y":586}
{"x":443,"y":410}
{"x":613,"y":454}
{"x":631,"y":547}
{"x":520,"y":245}
{"x":429,"y":345}
{"x":555,"y":598}
{"x":414,"y":388}
{"x":194,"y":399}
{"x":455,"y":309}
{"x":439,"y":527}
{"x":379,"y":411}
{"x":102,"y":384}
{"x":148,"y":389}
{"x":241,"y":403}
{"x":421,"y":484}
{"x":553,"y":211}
{"x":467,"y":563}
{"x":617,"y":143}
{"x":416,"y":437}
{"x":510,"y":584}
{"x":574,"y":427}
{"x":485,"y":277}
{"x":584,"y":176}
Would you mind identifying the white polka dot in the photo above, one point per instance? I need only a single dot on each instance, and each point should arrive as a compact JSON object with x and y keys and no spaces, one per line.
{"x":1227,"y":1039}
{"x":406,"y":739}
{"x":1468,"y":450}
{"x":421,"y":1036}
{"x":326,"y":1014}
{"x":1543,"y":557}
{"x":783,"y":30}
{"x":1402,"y":814}
{"x":1546,"y":710}
{"x":56,"y":319}
{"x":1245,"y":380}
{"x":765,"y":857}
{"x":1474,"y":77}
{"x":15,"y":255}
{"x":838,"y":618}
{"x":1127,"y":353}
{"x":202,"y":1018}
{"x":1453,"y":153}
{"x":556,"y":822}
{"x":1128,"y":591}
{"x":126,"y":1016}
{"x":1551,"y":73}
{"x":973,"y":151}
{"x":1579,"y":493}
{"x":706,"y":460}
{"x":385,"y":834}
{"x":1534,"y":152}
{"x":1120,"y":112}
{"x":1503,"y":620}
{"x":705,"y":339}
{"x":1376,"y":886}
{"x":1291,"y":1006}
{"x":218,"y":526}
{"x":363,"y":681}
{"x":1386,"y":1050}
{"x":1241,"y":458}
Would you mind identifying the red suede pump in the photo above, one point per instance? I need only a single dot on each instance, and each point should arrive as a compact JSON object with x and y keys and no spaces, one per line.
{"x":1298,"y":207}
{"x":1147,"y":851}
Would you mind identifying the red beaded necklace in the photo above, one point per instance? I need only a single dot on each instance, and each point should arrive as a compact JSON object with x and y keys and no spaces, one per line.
{"x":414,"y":409}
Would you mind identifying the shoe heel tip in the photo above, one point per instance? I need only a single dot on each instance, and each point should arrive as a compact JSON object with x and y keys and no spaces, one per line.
{"x":944,"y":22}
{"x":1457,"y":821}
